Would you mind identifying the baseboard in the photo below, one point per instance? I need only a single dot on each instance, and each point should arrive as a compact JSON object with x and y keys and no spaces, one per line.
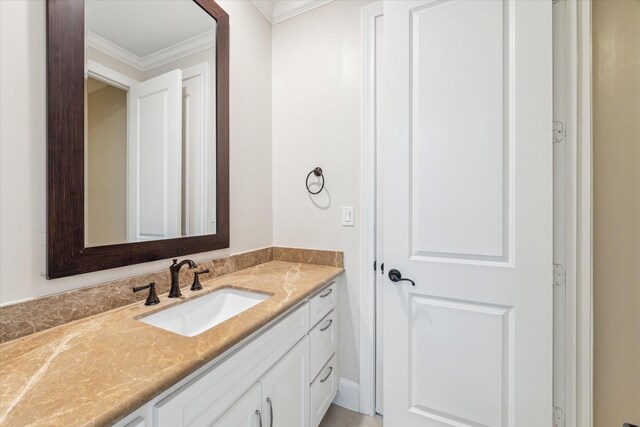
{"x":348,"y":394}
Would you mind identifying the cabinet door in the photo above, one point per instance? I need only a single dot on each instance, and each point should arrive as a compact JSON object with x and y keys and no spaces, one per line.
{"x":285,"y":389}
{"x":245,"y":412}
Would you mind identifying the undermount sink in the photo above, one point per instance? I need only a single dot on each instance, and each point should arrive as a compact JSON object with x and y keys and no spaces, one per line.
{"x":202,"y":313}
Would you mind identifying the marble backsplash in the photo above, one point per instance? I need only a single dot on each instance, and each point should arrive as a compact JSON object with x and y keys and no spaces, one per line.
{"x":25,"y":318}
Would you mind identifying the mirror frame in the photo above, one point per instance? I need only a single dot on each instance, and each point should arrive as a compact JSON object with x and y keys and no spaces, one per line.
{"x":66,"y":251}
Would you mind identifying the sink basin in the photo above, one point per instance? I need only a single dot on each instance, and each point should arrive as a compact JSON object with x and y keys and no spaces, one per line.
{"x":202,"y":313}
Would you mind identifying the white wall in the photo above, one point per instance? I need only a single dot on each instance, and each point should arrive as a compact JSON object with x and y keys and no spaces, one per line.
{"x":23,"y":148}
{"x":317,"y":122}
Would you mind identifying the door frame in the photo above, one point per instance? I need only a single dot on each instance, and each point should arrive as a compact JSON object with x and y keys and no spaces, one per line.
{"x":108,"y":75}
{"x":367,"y":379}
{"x":201,"y":70}
{"x":121,"y":81}
{"x":578,"y":230}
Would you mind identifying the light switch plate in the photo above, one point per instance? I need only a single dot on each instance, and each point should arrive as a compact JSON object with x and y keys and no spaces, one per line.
{"x":347,"y":216}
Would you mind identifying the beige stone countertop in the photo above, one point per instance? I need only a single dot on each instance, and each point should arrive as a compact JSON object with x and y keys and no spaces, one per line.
{"x":96,"y":370}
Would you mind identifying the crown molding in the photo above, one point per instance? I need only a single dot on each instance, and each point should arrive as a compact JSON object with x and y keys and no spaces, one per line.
{"x":164,"y":56}
{"x":281,"y":10}
{"x":105,"y":46}
{"x":265,"y":7}
{"x":287,"y":9}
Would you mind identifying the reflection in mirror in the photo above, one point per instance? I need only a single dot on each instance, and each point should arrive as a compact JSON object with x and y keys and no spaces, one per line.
{"x":149,"y":130}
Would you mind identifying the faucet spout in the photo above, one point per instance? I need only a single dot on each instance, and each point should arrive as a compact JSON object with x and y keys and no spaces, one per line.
{"x":175,"y":276}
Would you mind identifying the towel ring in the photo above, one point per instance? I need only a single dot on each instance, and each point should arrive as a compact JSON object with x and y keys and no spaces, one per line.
{"x":316,"y":172}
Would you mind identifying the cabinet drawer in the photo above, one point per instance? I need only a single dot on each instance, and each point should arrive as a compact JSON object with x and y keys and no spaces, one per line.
{"x":323,"y":342}
{"x":323,"y":390}
{"x":323,"y":303}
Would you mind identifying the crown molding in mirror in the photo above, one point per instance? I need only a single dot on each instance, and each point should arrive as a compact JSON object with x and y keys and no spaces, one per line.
{"x":155,"y":59}
{"x":66,"y":251}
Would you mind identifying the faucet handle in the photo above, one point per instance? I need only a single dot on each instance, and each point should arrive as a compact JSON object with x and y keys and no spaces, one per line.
{"x":152,"y":299}
{"x":196,"y":286}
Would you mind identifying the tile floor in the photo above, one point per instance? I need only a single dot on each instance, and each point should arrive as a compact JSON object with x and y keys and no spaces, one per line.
{"x":338,"y":416}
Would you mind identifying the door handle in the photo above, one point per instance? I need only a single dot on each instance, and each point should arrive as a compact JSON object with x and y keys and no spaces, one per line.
{"x":259,"y":415}
{"x":395,"y":276}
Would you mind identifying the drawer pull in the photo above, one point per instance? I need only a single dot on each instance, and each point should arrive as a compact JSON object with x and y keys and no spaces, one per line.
{"x":259,"y":416}
{"x":326,"y":327}
{"x":326,"y":294}
{"x":328,"y":375}
{"x":270,"y":412}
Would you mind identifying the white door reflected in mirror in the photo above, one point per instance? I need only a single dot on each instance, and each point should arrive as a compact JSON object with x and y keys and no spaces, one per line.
{"x":149,"y":130}
{"x":154,"y":158}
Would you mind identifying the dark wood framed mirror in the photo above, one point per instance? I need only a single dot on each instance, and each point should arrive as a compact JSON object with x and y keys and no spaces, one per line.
{"x":68,"y":249}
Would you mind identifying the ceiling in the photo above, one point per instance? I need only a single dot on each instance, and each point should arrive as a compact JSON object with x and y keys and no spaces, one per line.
{"x":144,"y":27}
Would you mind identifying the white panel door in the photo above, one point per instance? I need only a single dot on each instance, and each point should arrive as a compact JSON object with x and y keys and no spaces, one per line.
{"x":154,"y":158}
{"x":285,"y":389}
{"x":195,"y":165}
{"x":467,"y":155}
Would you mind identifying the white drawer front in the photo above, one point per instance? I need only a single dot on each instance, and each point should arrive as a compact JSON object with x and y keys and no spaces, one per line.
{"x":323,"y":342}
{"x":323,"y":303}
{"x":323,"y":390}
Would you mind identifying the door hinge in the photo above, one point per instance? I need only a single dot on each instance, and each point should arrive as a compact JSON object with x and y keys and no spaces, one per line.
{"x":382,"y":267}
{"x":375,"y":265}
{"x":558,"y":131}
{"x":558,"y":417}
{"x":558,"y":275}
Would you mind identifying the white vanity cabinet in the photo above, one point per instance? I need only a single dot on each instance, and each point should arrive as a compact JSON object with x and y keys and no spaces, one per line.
{"x":284,"y":375}
{"x":323,"y":389}
{"x":323,"y":342}
{"x":322,"y":303}
{"x":245,"y":412}
{"x":279,"y":399}
{"x":285,"y":389}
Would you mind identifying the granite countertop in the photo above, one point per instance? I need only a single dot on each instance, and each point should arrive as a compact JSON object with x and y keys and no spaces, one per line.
{"x":99,"y":369}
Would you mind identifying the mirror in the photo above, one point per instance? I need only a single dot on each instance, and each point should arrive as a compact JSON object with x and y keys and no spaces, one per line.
{"x":137,"y":131}
{"x":149,"y":150}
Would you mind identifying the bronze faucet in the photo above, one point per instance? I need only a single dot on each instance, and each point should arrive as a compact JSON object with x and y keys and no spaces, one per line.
{"x":175,"y":276}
